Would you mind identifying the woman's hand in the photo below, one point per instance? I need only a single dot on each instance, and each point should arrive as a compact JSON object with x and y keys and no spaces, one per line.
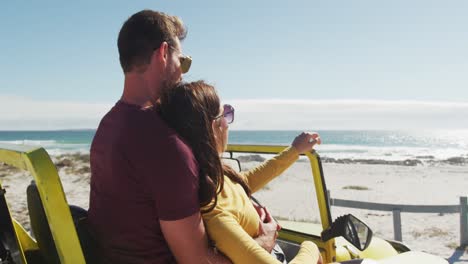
{"x":306,"y":141}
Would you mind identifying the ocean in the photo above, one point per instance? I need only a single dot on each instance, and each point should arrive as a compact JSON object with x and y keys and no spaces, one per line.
{"x":337,"y":144}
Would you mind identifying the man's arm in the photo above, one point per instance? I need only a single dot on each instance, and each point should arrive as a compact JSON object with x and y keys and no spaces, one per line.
{"x":268,"y":228}
{"x":188,"y":241}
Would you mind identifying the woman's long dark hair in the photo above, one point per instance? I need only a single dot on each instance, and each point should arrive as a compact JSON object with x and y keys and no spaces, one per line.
{"x":190,"y":108}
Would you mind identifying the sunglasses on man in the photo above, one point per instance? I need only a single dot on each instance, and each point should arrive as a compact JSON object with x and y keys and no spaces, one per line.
{"x":228,"y":113}
{"x":185,"y":63}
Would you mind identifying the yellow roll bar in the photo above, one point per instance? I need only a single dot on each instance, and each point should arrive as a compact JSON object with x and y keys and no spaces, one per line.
{"x":319,"y":182}
{"x":38,"y":163}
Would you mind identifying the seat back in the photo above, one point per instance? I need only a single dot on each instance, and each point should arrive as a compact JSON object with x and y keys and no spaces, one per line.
{"x":41,"y":229}
{"x":40,"y":226}
{"x":9,"y":249}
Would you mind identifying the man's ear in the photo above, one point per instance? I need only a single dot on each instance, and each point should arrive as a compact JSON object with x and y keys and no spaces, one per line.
{"x":162,"y":53}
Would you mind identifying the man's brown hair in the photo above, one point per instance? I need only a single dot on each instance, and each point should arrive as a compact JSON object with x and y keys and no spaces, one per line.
{"x":144,"y":32}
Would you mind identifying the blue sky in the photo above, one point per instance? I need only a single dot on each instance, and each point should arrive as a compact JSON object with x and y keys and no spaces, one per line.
{"x":415,"y":51}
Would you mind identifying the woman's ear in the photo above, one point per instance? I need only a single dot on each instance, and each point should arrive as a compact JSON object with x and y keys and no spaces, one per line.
{"x":214,"y":126}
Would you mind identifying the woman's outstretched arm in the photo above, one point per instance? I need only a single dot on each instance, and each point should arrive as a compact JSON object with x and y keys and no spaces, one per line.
{"x":259,"y":176}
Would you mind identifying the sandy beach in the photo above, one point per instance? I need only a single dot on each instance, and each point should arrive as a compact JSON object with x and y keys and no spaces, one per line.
{"x":292,"y":196}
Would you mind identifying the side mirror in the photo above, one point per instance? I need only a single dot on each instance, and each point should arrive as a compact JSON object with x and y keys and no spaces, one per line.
{"x":350,"y":228}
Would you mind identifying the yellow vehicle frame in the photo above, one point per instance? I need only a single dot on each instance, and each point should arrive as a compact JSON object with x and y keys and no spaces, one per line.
{"x":38,"y":163}
{"x":328,"y":247}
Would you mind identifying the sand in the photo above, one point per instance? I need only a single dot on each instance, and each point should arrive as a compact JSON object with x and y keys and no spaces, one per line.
{"x":292,"y":196}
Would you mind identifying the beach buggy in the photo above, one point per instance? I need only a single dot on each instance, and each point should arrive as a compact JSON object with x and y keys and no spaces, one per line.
{"x":60,"y":235}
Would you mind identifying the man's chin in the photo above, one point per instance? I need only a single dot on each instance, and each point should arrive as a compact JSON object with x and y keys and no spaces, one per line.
{"x":169,"y":84}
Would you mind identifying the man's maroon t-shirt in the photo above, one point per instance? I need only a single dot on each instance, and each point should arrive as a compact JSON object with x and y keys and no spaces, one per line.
{"x":141,"y":172}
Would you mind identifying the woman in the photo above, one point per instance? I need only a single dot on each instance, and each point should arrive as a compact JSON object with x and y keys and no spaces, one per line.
{"x":194,"y":111}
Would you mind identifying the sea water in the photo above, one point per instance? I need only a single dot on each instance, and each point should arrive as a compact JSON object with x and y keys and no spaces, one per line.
{"x":337,"y":144}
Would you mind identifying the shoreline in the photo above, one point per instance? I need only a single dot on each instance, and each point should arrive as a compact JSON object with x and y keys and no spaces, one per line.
{"x":418,"y":161}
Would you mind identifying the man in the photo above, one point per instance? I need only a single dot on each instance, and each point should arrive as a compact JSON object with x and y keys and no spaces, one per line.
{"x":144,"y":184}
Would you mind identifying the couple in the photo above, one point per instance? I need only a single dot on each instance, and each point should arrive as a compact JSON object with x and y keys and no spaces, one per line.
{"x":158,"y":186}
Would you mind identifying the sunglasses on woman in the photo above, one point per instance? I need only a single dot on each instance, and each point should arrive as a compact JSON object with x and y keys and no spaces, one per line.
{"x":228,"y":113}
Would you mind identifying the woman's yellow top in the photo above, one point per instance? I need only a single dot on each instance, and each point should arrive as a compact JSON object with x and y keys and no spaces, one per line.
{"x":234,"y":221}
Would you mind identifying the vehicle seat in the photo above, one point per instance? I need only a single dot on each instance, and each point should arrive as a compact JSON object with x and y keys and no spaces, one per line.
{"x":9,"y":250}
{"x":43,"y":235}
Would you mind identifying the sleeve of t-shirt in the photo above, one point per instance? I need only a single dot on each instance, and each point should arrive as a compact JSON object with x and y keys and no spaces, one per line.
{"x":171,"y":175}
{"x":179,"y":197}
